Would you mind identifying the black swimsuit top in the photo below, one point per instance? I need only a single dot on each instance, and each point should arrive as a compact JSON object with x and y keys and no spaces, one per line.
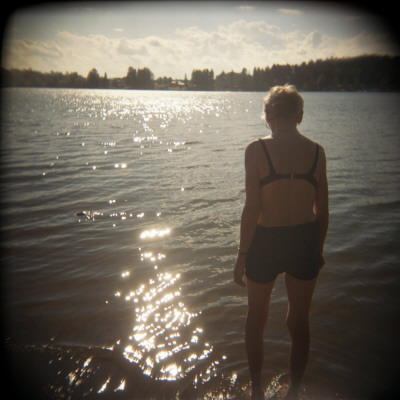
{"x":273,"y":176}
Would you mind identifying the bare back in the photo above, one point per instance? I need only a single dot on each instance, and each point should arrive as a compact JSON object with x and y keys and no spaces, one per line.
{"x":286,"y":202}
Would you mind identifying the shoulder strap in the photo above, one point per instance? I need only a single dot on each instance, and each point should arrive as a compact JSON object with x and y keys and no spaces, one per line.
{"x":271,"y":167}
{"x":314,"y":166}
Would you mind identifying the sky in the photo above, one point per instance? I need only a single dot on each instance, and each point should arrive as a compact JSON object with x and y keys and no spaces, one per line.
{"x":173,"y":38}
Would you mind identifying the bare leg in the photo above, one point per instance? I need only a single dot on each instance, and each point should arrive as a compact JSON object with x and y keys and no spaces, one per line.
{"x":257,"y":315}
{"x":299,"y":294}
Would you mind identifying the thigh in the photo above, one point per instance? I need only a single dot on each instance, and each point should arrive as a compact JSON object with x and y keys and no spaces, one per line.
{"x":303,"y":254}
{"x":259,"y":295}
{"x":300,"y":294}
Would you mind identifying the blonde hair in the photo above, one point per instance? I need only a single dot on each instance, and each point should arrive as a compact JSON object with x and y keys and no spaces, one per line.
{"x":284,"y":102}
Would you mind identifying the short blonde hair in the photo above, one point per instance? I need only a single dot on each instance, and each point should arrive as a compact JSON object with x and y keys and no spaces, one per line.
{"x":284,"y":102}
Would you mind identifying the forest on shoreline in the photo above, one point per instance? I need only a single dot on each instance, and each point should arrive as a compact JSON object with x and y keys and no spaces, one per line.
{"x":363,"y":73}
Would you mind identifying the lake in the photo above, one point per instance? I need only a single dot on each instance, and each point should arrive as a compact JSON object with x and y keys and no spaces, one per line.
{"x":120,"y":224}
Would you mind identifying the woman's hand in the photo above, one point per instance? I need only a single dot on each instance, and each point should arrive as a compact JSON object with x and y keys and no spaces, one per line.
{"x":238,"y":271}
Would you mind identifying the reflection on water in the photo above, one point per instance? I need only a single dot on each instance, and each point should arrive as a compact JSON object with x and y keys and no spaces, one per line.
{"x":165,"y":341}
{"x":166,"y":345}
{"x":164,"y":328}
{"x":155,"y":233}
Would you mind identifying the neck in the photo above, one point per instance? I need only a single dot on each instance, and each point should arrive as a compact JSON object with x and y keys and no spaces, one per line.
{"x":282,"y":127}
{"x":285,"y":132}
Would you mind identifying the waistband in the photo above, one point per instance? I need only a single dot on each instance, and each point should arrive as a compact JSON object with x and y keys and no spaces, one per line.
{"x":299,"y":227}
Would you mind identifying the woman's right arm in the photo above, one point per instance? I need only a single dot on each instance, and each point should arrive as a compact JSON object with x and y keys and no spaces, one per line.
{"x":250,"y":212}
{"x":321,"y":205}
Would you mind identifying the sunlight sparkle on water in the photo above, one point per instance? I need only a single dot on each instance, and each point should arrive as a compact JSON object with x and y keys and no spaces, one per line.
{"x":121,"y":386}
{"x":163,"y":342}
{"x":155,"y":233}
{"x":122,"y":165}
{"x":103,"y":388}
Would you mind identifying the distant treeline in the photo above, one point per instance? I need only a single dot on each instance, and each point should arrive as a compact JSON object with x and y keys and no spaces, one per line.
{"x":367,"y":73}
{"x":134,"y":79}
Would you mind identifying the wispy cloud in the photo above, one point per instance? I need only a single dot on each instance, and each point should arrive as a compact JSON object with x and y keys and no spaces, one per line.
{"x":245,"y":8}
{"x":290,"y":11}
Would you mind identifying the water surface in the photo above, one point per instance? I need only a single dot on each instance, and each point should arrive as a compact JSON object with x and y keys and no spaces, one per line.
{"x":120,"y":221}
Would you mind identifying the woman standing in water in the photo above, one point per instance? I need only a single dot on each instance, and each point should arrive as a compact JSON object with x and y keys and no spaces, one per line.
{"x":283,"y":230}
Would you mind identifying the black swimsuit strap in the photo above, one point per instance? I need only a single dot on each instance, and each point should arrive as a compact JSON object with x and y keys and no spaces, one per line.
{"x":271,"y":167}
{"x":314,"y":166}
{"x":273,"y":176}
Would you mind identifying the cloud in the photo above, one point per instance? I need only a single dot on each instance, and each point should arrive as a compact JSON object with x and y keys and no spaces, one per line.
{"x":25,"y":53}
{"x":241,"y":44}
{"x":289,"y":11}
{"x":316,"y":39}
{"x":245,"y":8}
{"x":128,"y":48}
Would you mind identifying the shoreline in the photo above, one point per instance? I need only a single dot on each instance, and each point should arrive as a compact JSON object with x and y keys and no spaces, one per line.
{"x":373,"y":73}
{"x":202,"y":90}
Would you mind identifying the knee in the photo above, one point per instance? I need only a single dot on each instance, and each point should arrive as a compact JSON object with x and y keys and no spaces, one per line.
{"x":298,"y":326}
{"x":256,"y":318}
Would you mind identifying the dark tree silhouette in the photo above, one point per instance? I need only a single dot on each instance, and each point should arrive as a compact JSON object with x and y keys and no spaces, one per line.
{"x":93,"y":79}
{"x":369,"y":73}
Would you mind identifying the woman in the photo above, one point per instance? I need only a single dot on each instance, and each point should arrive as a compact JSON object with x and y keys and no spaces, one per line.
{"x":283,"y":230}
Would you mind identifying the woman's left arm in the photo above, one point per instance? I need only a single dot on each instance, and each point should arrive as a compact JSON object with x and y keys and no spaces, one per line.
{"x":321,"y":205}
{"x":250,"y":211}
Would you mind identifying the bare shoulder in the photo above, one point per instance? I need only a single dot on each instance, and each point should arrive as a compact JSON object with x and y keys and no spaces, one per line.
{"x":321,"y":151}
{"x":252,"y":145}
{"x":252,"y":154}
{"x":252,"y":148}
{"x":321,"y":164}
{"x":314,"y":143}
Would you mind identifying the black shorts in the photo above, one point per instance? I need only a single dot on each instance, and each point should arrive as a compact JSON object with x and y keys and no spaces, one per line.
{"x":295,"y":250}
